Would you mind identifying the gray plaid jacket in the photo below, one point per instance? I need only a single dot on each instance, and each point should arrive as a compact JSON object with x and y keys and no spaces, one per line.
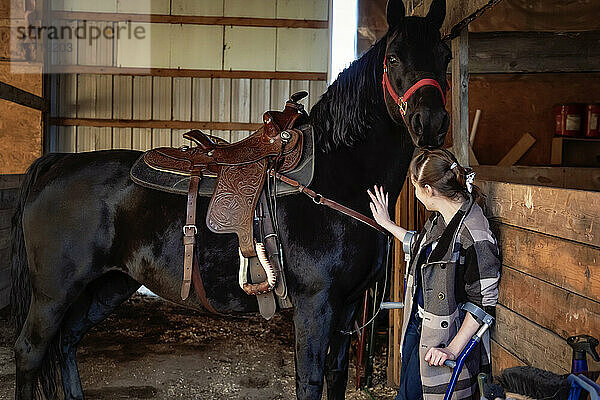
{"x":463,"y":266}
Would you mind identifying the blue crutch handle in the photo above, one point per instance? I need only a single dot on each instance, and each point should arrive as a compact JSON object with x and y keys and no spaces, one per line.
{"x":579,"y":382}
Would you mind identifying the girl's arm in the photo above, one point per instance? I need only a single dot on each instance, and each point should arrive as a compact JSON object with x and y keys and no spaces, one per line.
{"x":437,"y":355}
{"x":379,"y":207}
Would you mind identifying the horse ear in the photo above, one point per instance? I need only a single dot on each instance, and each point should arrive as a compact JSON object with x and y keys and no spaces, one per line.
{"x":395,"y":12}
{"x":437,"y":13}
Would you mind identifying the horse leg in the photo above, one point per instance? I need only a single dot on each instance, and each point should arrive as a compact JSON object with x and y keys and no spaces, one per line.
{"x":312,"y":328}
{"x":97,"y":302}
{"x":336,"y":365}
{"x":40,"y":327}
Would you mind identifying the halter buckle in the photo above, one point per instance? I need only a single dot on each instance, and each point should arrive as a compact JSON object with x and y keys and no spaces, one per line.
{"x":403,"y":105}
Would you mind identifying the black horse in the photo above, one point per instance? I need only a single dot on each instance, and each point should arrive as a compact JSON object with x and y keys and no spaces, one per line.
{"x":85,"y":237}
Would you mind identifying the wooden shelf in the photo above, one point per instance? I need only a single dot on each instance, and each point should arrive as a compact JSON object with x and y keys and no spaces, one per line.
{"x":575,"y":151}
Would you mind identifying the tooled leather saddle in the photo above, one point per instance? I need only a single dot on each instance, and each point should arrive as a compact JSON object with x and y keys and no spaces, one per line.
{"x":240,"y":170}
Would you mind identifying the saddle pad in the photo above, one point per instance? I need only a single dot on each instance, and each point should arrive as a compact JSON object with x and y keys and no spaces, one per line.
{"x":170,"y":182}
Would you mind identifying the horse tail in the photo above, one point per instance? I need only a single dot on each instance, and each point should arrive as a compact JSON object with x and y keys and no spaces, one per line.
{"x":20,"y":292}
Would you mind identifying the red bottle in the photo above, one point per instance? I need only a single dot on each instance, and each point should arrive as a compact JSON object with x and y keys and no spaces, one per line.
{"x":568,"y":119}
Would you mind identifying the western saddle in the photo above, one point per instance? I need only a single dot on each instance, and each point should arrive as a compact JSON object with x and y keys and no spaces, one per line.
{"x":241,"y":170}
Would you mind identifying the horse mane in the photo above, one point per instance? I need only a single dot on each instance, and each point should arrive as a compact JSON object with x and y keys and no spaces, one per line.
{"x":352,"y":104}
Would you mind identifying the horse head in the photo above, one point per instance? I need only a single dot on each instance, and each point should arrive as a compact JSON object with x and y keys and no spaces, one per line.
{"x":414,"y":78}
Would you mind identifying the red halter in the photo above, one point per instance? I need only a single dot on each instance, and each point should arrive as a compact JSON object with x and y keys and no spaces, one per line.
{"x":402,"y":101}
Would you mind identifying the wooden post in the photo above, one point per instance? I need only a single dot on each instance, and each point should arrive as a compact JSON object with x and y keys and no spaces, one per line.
{"x":460,"y":97}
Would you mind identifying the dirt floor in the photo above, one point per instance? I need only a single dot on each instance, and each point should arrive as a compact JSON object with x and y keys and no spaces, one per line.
{"x":151,"y":349}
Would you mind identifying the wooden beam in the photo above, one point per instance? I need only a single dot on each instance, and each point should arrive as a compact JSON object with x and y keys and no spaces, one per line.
{"x":157,"y":124}
{"x":517,"y":151}
{"x":195,"y":73}
{"x":191,"y":19}
{"x":564,"y":213}
{"x":559,"y":177}
{"x":22,"y":97}
{"x":460,"y":98}
{"x":459,"y":13}
{"x":563,"y":263}
{"x":570,"y":313}
{"x":530,"y":52}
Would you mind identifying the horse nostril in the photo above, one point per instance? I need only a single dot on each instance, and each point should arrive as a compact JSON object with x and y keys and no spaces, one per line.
{"x":419,"y":122}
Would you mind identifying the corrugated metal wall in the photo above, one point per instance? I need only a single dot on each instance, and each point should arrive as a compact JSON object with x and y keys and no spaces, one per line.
{"x":185,"y":46}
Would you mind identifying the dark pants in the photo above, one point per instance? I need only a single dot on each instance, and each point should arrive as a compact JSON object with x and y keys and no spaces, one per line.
{"x":410,"y":375}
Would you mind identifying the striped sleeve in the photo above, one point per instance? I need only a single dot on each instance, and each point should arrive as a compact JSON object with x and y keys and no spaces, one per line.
{"x":482,"y":273}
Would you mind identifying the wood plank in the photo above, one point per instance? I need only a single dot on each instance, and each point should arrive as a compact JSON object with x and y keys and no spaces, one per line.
{"x":564,"y":213}
{"x":66,"y":141}
{"x":517,"y":151}
{"x":260,"y":99}
{"x":103,"y":109}
{"x":11,"y":181}
{"x":560,"y":177}
{"x":458,"y":14}
{"x":192,"y":19}
{"x":243,"y":44}
{"x":67,"y":95}
{"x":201,"y":99}
{"x":460,"y":97}
{"x":503,"y":358}
{"x":195,"y":73}
{"x":221,"y":100}
{"x":522,"y":52}
{"x":240,"y":100}
{"x":162,"y":106}
{"x":569,"y":315}
{"x":182,"y":99}
{"x":537,"y":346}
{"x":156,"y":124}
{"x":569,"y":265}
{"x":280,"y":93}
{"x":141,"y":139}
{"x":19,"y":96}
{"x":122,"y":109}
{"x":316,"y":90}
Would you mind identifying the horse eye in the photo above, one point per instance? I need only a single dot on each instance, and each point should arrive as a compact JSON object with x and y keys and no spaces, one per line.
{"x":392,"y":59}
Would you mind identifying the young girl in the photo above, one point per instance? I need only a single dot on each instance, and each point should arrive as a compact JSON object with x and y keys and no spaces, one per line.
{"x":454,"y":259}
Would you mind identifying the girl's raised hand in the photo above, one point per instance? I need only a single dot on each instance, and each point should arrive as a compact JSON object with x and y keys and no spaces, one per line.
{"x":379,"y":205}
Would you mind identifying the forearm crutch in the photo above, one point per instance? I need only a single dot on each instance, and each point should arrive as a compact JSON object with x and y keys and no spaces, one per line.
{"x":486,"y":321}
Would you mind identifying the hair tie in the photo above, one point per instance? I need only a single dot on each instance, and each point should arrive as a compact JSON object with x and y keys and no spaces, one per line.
{"x":454,"y":165}
{"x":469,"y":181}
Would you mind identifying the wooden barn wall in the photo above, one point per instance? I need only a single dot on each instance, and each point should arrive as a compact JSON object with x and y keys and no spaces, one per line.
{"x":226,"y":107}
{"x":20,"y":127}
{"x":515,"y":104}
{"x":550,"y":284}
{"x":9,"y":191}
{"x":164,"y":99}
